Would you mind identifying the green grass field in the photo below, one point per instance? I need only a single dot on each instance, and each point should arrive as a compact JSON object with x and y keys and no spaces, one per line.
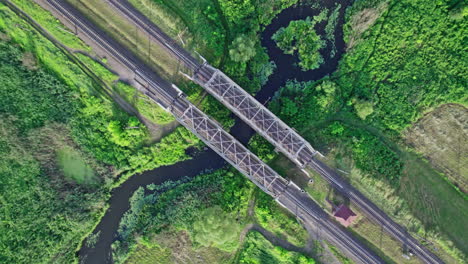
{"x":278,"y":220}
{"x":375,"y":235}
{"x":54,"y":26}
{"x":432,"y":200}
{"x":149,"y":255}
{"x":143,"y":104}
{"x":172,"y":246}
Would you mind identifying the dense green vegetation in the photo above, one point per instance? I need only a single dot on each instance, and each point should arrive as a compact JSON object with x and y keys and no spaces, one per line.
{"x":243,"y":49}
{"x":370,"y":154}
{"x":145,"y":107}
{"x":177,"y":205}
{"x":111,"y":135}
{"x":257,"y":249}
{"x":216,"y":228}
{"x":330,"y":28}
{"x":212,"y":208}
{"x":279,"y":221}
{"x":300,"y":37}
{"x":385,"y":85}
{"x":412,"y":59}
{"x":26,"y":93}
{"x":43,"y":215}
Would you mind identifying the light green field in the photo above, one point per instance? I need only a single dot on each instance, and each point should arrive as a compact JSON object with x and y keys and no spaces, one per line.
{"x":418,"y":176}
{"x":257,"y":249}
{"x":271,"y":216}
{"x":74,"y":167}
{"x":375,"y":235}
{"x":143,"y":104}
{"x":149,"y":255}
{"x":102,"y":72}
{"x":139,"y":101}
{"x":174,"y":246}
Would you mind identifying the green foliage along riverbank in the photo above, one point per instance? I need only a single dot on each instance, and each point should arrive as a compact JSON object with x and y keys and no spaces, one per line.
{"x":97,"y":124}
{"x":412,"y":59}
{"x":181,"y":205}
{"x":225,"y":32}
{"x":404,"y":58}
{"x":212,"y":210}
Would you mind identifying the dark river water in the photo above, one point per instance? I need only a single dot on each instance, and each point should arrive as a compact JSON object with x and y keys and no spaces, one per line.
{"x":208,"y":159}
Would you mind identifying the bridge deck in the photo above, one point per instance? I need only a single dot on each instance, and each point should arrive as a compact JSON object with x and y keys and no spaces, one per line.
{"x":221,"y":142}
{"x":255,"y":114}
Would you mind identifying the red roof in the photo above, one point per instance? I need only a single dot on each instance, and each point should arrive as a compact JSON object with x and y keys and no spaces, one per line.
{"x":344,"y":215}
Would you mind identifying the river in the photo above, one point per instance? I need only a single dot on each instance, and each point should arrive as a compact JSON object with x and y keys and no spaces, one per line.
{"x":208,"y":160}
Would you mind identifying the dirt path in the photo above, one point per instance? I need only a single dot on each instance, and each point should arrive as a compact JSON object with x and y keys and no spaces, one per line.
{"x":324,"y":255}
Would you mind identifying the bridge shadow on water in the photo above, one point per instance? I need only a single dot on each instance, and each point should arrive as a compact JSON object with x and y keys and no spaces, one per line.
{"x":208,"y":160}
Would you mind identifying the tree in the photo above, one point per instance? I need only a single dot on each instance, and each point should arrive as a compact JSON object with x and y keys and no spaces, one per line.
{"x":300,"y":36}
{"x":337,"y":129}
{"x":327,"y":97}
{"x":243,"y":49}
{"x":236,"y":10}
{"x":363,"y":108}
{"x":128,"y":135}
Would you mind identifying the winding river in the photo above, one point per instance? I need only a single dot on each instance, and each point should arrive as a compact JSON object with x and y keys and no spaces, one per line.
{"x":209,"y":160}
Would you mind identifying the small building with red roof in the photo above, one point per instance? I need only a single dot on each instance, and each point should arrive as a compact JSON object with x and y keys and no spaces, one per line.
{"x":344,"y":215}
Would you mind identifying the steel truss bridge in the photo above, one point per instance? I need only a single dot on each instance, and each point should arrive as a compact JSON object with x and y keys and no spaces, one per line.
{"x":286,"y":193}
{"x":257,"y":116}
{"x":280,"y":135}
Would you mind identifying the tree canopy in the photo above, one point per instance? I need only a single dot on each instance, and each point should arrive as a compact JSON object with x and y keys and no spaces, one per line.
{"x":300,"y":37}
{"x":242,"y":49}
